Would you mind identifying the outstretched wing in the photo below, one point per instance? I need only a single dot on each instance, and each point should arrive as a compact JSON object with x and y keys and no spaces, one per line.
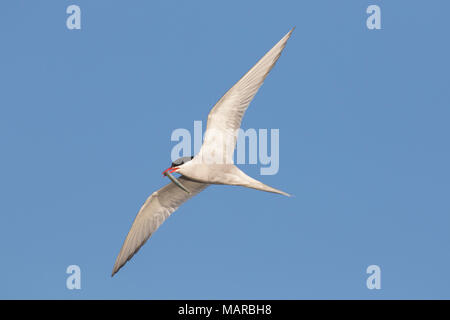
{"x":157,"y":208}
{"x":225,"y":117}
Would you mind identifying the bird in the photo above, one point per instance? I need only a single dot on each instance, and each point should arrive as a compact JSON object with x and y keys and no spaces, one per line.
{"x":213,"y":164}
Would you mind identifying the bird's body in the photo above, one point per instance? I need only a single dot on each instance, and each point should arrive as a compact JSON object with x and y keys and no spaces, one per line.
{"x":212,"y":165}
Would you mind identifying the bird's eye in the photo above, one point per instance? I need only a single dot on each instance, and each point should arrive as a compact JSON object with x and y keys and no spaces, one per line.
{"x":177,"y":163}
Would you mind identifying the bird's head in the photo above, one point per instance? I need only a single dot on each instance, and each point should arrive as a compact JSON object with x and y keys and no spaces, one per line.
{"x":174,"y":168}
{"x":176,"y":165}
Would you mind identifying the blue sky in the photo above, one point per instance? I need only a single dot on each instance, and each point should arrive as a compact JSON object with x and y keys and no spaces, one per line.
{"x":85,"y":123}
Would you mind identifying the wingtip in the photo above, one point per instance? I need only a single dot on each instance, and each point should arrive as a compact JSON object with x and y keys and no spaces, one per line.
{"x":115,"y":269}
{"x":288,"y":35}
{"x":292,"y":30}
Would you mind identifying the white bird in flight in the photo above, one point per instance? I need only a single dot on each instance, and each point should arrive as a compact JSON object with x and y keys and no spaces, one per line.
{"x":212,"y":165}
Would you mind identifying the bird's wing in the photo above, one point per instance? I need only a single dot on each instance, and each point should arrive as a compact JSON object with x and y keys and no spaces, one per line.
{"x":225,"y":117}
{"x":157,"y":208}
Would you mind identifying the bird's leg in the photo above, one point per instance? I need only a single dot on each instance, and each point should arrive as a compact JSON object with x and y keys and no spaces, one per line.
{"x":175,"y":180}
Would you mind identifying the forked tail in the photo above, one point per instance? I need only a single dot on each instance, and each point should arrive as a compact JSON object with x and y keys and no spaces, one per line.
{"x":249,"y":182}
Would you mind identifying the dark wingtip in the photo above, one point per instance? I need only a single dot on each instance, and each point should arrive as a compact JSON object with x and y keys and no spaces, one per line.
{"x":115,"y":270}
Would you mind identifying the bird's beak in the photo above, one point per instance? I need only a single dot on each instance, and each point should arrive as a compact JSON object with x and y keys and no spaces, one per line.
{"x":168,"y":173}
{"x":169,"y":170}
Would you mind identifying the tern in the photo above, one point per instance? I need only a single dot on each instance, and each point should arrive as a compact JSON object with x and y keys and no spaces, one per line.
{"x":212,"y":165}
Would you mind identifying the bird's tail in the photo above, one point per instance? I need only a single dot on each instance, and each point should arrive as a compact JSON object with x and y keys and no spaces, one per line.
{"x":249,"y":182}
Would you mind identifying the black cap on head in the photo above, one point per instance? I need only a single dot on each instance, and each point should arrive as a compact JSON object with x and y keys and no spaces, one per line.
{"x":181,"y":161}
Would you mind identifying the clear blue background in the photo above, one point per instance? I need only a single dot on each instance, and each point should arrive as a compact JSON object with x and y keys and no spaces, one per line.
{"x":85,"y":124}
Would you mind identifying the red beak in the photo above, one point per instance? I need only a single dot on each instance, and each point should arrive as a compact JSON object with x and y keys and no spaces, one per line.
{"x":170,"y":170}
